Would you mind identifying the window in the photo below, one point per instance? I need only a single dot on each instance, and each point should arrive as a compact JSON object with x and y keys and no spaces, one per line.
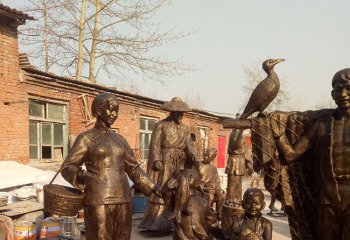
{"x":47,"y":130}
{"x":203,"y":137}
{"x":146,"y":128}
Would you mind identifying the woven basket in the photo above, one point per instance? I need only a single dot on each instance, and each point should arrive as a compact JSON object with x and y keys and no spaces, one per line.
{"x":229,"y":216}
{"x":61,"y":200}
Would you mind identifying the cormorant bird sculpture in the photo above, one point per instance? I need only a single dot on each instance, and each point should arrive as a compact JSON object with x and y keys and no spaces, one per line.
{"x":265,"y":92}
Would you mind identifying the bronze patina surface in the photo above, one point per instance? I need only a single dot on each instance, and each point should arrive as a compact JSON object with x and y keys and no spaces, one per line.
{"x":170,"y":148}
{"x":210,"y":181}
{"x":109,"y":160}
{"x":251,"y":225}
{"x":266,"y":91}
{"x":307,"y":154}
{"x":192,"y":215}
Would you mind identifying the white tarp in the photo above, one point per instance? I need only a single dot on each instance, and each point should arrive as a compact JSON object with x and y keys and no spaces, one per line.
{"x":13,"y":174}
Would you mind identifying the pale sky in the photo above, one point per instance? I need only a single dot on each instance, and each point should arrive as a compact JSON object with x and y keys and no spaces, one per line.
{"x":312,"y":35}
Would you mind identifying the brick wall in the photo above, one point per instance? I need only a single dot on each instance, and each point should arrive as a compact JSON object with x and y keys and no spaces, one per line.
{"x":18,"y":86}
{"x":13,"y":109}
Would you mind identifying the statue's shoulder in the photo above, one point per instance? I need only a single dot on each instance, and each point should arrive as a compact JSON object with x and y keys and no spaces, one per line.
{"x":120,"y":137}
{"x":265,"y":221}
{"x":160,"y":123}
{"x":88,"y":134}
{"x":186,"y":127}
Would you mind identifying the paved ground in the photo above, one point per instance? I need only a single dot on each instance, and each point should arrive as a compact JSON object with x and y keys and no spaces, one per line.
{"x":280,"y":224}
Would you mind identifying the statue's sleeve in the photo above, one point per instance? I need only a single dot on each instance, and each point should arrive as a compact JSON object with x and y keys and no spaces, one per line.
{"x":135,"y":172}
{"x":293,"y":152}
{"x":71,"y":167}
{"x":190,"y":146}
{"x":155,"y":146}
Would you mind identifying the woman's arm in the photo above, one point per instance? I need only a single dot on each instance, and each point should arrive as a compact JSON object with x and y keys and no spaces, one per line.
{"x":71,"y":167}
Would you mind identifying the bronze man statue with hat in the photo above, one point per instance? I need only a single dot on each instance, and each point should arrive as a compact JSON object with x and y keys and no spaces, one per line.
{"x":170,"y":146}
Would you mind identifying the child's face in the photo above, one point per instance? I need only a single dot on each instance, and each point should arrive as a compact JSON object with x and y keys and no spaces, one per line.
{"x":207,"y":158}
{"x":253,"y":205}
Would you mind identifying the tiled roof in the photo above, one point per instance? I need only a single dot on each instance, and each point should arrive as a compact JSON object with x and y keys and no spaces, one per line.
{"x":36,"y":73}
{"x":13,"y":13}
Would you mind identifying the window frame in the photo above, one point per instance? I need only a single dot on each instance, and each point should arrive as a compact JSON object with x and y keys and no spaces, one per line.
{"x":204,"y":141}
{"x":39,"y":121}
{"x":143,"y":133}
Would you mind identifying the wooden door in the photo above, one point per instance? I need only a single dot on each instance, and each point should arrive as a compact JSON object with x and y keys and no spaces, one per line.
{"x":221,"y":152}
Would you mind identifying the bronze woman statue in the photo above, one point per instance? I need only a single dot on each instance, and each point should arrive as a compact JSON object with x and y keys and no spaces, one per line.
{"x":108,"y":159}
{"x":170,"y":146}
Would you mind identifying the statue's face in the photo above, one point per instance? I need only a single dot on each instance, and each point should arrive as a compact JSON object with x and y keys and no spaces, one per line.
{"x":109,"y":114}
{"x":253,"y":205}
{"x":208,"y":157}
{"x":341,"y":94}
{"x":177,"y":116}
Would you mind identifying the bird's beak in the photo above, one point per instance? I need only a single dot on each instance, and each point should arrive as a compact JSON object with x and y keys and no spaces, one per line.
{"x":278,"y":60}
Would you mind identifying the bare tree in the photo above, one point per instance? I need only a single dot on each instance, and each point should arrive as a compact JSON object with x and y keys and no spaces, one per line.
{"x":194,"y":99}
{"x":81,"y":41}
{"x":39,"y":34}
{"x":113,"y":37}
{"x":254,"y":74}
{"x":324,"y":102}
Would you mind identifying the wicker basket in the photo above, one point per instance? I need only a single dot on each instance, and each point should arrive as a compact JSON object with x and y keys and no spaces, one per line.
{"x":229,"y":216}
{"x":61,"y":200}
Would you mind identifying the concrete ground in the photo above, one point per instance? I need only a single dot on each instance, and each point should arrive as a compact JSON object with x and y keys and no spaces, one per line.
{"x":280,"y":224}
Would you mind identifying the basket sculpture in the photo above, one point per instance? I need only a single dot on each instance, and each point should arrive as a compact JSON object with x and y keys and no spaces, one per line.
{"x":61,"y":200}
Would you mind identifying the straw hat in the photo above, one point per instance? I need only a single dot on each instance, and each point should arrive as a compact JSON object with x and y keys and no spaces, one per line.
{"x":176,"y":105}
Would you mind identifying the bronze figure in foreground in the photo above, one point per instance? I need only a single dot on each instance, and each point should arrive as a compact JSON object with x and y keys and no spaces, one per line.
{"x":328,"y":137}
{"x":192,"y":215}
{"x":314,"y":190}
{"x":171,"y":149}
{"x":251,"y":225}
{"x":108,"y":158}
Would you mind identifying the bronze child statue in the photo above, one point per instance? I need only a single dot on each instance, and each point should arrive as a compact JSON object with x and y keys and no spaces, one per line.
{"x":252,"y":226}
{"x":108,"y":159}
{"x":210,"y":181}
{"x":191,"y":214}
{"x":235,"y":168}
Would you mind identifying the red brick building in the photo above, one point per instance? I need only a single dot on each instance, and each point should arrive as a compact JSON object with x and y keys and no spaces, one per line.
{"x":42,"y":113}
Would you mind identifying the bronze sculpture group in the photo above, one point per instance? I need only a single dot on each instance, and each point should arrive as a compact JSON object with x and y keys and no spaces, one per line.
{"x":305,"y":156}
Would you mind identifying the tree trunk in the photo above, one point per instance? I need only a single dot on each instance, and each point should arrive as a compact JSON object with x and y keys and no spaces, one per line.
{"x":46,"y":44}
{"x":94,"y":43}
{"x":81,"y":41}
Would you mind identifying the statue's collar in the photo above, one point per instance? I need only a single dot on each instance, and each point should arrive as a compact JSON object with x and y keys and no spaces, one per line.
{"x":102,"y":127}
